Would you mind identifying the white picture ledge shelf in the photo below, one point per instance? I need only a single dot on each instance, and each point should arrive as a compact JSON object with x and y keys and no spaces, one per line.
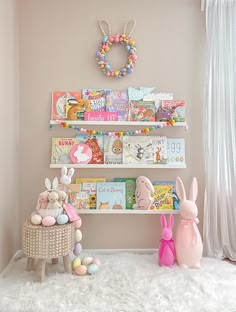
{"x":126,"y":211}
{"x":116,"y":123}
{"x":118,"y":166}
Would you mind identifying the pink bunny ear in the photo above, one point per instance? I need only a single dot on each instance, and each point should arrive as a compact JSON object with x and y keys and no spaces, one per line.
{"x":171,"y":222}
{"x":193,"y":190}
{"x":180,"y":189}
{"x":163,"y":221}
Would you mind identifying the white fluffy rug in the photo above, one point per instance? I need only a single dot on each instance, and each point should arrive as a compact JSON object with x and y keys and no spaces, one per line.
{"x":126,"y":282}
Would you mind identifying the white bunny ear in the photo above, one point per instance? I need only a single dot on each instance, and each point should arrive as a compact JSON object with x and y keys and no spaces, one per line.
{"x":71,"y":172}
{"x":193,"y":190}
{"x":55,"y":183}
{"x":63,"y":171}
{"x":48,"y":184}
{"x":180,"y":189}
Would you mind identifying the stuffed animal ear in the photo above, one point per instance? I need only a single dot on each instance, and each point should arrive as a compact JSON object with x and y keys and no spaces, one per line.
{"x":193,"y":190}
{"x":163,"y":221}
{"x":55,"y":183}
{"x":71,"y":172}
{"x":63,"y":171}
{"x":180,"y":189}
{"x":48,"y":184}
{"x":171,"y":222}
{"x":149,"y":185}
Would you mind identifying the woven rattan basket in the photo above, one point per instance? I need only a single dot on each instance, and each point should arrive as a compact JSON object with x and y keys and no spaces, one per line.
{"x":47,"y":242}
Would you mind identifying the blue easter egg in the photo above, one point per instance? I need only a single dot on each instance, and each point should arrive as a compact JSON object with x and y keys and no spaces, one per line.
{"x":108,"y":66}
{"x":93,"y":268}
{"x":62,"y":219}
{"x":104,"y":39}
{"x":127,"y":47}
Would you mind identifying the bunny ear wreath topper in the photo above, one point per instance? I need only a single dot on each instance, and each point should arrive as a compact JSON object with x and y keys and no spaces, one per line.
{"x":107,"y":41}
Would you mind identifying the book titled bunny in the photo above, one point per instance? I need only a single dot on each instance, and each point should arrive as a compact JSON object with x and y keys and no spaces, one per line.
{"x":188,"y":241}
{"x":166,"y":249}
{"x":143,"y":193}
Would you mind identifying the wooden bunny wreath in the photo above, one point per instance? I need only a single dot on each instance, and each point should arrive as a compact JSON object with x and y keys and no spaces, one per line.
{"x":107,"y":41}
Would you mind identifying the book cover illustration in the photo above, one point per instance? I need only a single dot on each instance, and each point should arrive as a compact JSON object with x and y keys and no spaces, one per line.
{"x":130,"y":187}
{"x":142,"y":111}
{"x":91,"y":189}
{"x":137,"y":94}
{"x":75,"y":196}
{"x":175,"y":151}
{"x":118,"y":101}
{"x":113,"y":149}
{"x":59,"y":102}
{"x":176,"y":108}
{"x":159,"y":148}
{"x":165,"y":196}
{"x":97,"y":98}
{"x":76,"y":108}
{"x":137,"y":150}
{"x":89,"y":180}
{"x":61,"y":149}
{"x":111,"y":195}
{"x":95,"y":143}
{"x":158,"y":97}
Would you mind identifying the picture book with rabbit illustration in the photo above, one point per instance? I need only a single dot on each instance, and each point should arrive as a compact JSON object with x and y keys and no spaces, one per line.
{"x":142,"y":111}
{"x":137,"y":150}
{"x":59,"y":102}
{"x":164,"y":197}
{"x":159,"y":149}
{"x":111,"y":195}
{"x":61,"y":148}
{"x":95,"y":143}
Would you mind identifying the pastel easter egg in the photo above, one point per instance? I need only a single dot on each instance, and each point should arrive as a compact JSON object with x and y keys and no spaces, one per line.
{"x":78,"y":235}
{"x":62,"y":219}
{"x":108,"y":73}
{"x":132,"y":42}
{"x":36,"y":219}
{"x":93,"y":268}
{"x":111,"y":39}
{"x":108,"y":66}
{"x":96,"y":261}
{"x":81,"y":270}
{"x":116,"y":73}
{"x":104,"y":39}
{"x":76,"y":263}
{"x":77,"y":249}
{"x":87,"y":260}
{"x":134,"y":57}
{"x":48,"y":221}
{"x":78,"y":223}
{"x":116,"y":39}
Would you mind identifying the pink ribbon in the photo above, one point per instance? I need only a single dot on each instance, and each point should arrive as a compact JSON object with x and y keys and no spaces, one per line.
{"x":169,"y":243}
{"x":194,"y":223}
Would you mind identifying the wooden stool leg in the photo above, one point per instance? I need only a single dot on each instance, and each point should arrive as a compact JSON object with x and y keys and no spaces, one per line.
{"x":30,"y":264}
{"x":54,"y":260}
{"x":41,"y":269}
{"x":67,"y":264}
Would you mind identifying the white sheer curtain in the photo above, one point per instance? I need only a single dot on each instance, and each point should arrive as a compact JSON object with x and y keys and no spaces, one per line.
{"x":220,"y":130}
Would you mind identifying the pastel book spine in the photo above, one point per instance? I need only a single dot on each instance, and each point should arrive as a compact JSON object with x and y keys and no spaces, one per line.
{"x":61,"y":149}
{"x":130,"y":187}
{"x":59,"y":102}
{"x":176,"y":151}
{"x":159,"y":147}
{"x":111,"y":195}
{"x":176,"y":107}
{"x":118,"y":101}
{"x":142,"y":111}
{"x":97,"y":98}
{"x":170,"y":191}
{"x":113,"y":149}
{"x":137,"y":150}
{"x":95,"y":143}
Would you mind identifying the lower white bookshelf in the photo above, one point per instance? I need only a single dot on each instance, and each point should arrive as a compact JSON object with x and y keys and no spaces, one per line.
{"x":126,"y":211}
{"x":117,"y":166}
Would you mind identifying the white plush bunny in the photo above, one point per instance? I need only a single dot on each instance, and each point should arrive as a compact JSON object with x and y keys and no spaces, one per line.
{"x":66,"y":178}
{"x":188,"y":241}
{"x":143,"y":193}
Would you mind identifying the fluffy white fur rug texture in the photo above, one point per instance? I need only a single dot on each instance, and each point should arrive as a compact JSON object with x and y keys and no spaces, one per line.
{"x":126,"y":282}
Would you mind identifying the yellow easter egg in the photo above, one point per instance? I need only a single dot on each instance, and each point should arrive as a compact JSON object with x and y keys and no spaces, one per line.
{"x":76,"y":263}
{"x":116,"y":73}
{"x":132,"y":42}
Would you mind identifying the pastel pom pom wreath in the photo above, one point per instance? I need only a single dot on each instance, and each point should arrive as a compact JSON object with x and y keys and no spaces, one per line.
{"x":105,"y":47}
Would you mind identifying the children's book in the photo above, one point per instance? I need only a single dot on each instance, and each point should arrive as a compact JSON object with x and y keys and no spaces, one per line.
{"x":175,"y":151}
{"x":137,"y":150}
{"x":111,"y":195}
{"x":158,"y":97}
{"x":137,"y":94}
{"x":118,"y":101}
{"x":142,"y":111}
{"x":61,"y":150}
{"x":91,"y":189}
{"x":95,"y":143}
{"x":113,"y":149}
{"x":165,"y":196}
{"x":89,"y":180}
{"x":159,"y":148}
{"x":59,"y":102}
{"x":130,"y":187}
{"x":176,"y":107}
{"x":97,"y":98}
{"x":75,"y":196}
{"x":76,"y":108}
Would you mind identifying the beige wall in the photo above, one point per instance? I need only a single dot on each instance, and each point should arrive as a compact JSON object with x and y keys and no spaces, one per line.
{"x":58,"y":42}
{"x":9,"y":135}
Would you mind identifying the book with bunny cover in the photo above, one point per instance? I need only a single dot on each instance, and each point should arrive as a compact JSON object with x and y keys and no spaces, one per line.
{"x":130,"y":186}
{"x":164,"y":197}
{"x":75,"y":195}
{"x":159,"y":148}
{"x":97,"y":98}
{"x":142,"y":111}
{"x":137,"y":150}
{"x":59,"y":102}
{"x":111,"y":195}
{"x":113,"y":149}
{"x":118,"y":101}
{"x":61,"y":149}
{"x":95,"y":143}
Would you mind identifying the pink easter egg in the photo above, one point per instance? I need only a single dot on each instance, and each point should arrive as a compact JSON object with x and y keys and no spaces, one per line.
{"x":116,"y":39}
{"x":96,"y":261}
{"x":78,"y":249}
{"x":111,"y":39}
{"x":134,"y":57}
{"x":78,"y":223}
{"x":81,"y":270}
{"x":108,"y":74}
{"x":48,"y":221}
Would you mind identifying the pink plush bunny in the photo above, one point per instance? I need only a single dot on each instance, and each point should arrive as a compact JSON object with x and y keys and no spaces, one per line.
{"x":188,"y":241}
{"x":143,"y":192}
{"x":42,"y":200}
{"x":166,"y":249}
